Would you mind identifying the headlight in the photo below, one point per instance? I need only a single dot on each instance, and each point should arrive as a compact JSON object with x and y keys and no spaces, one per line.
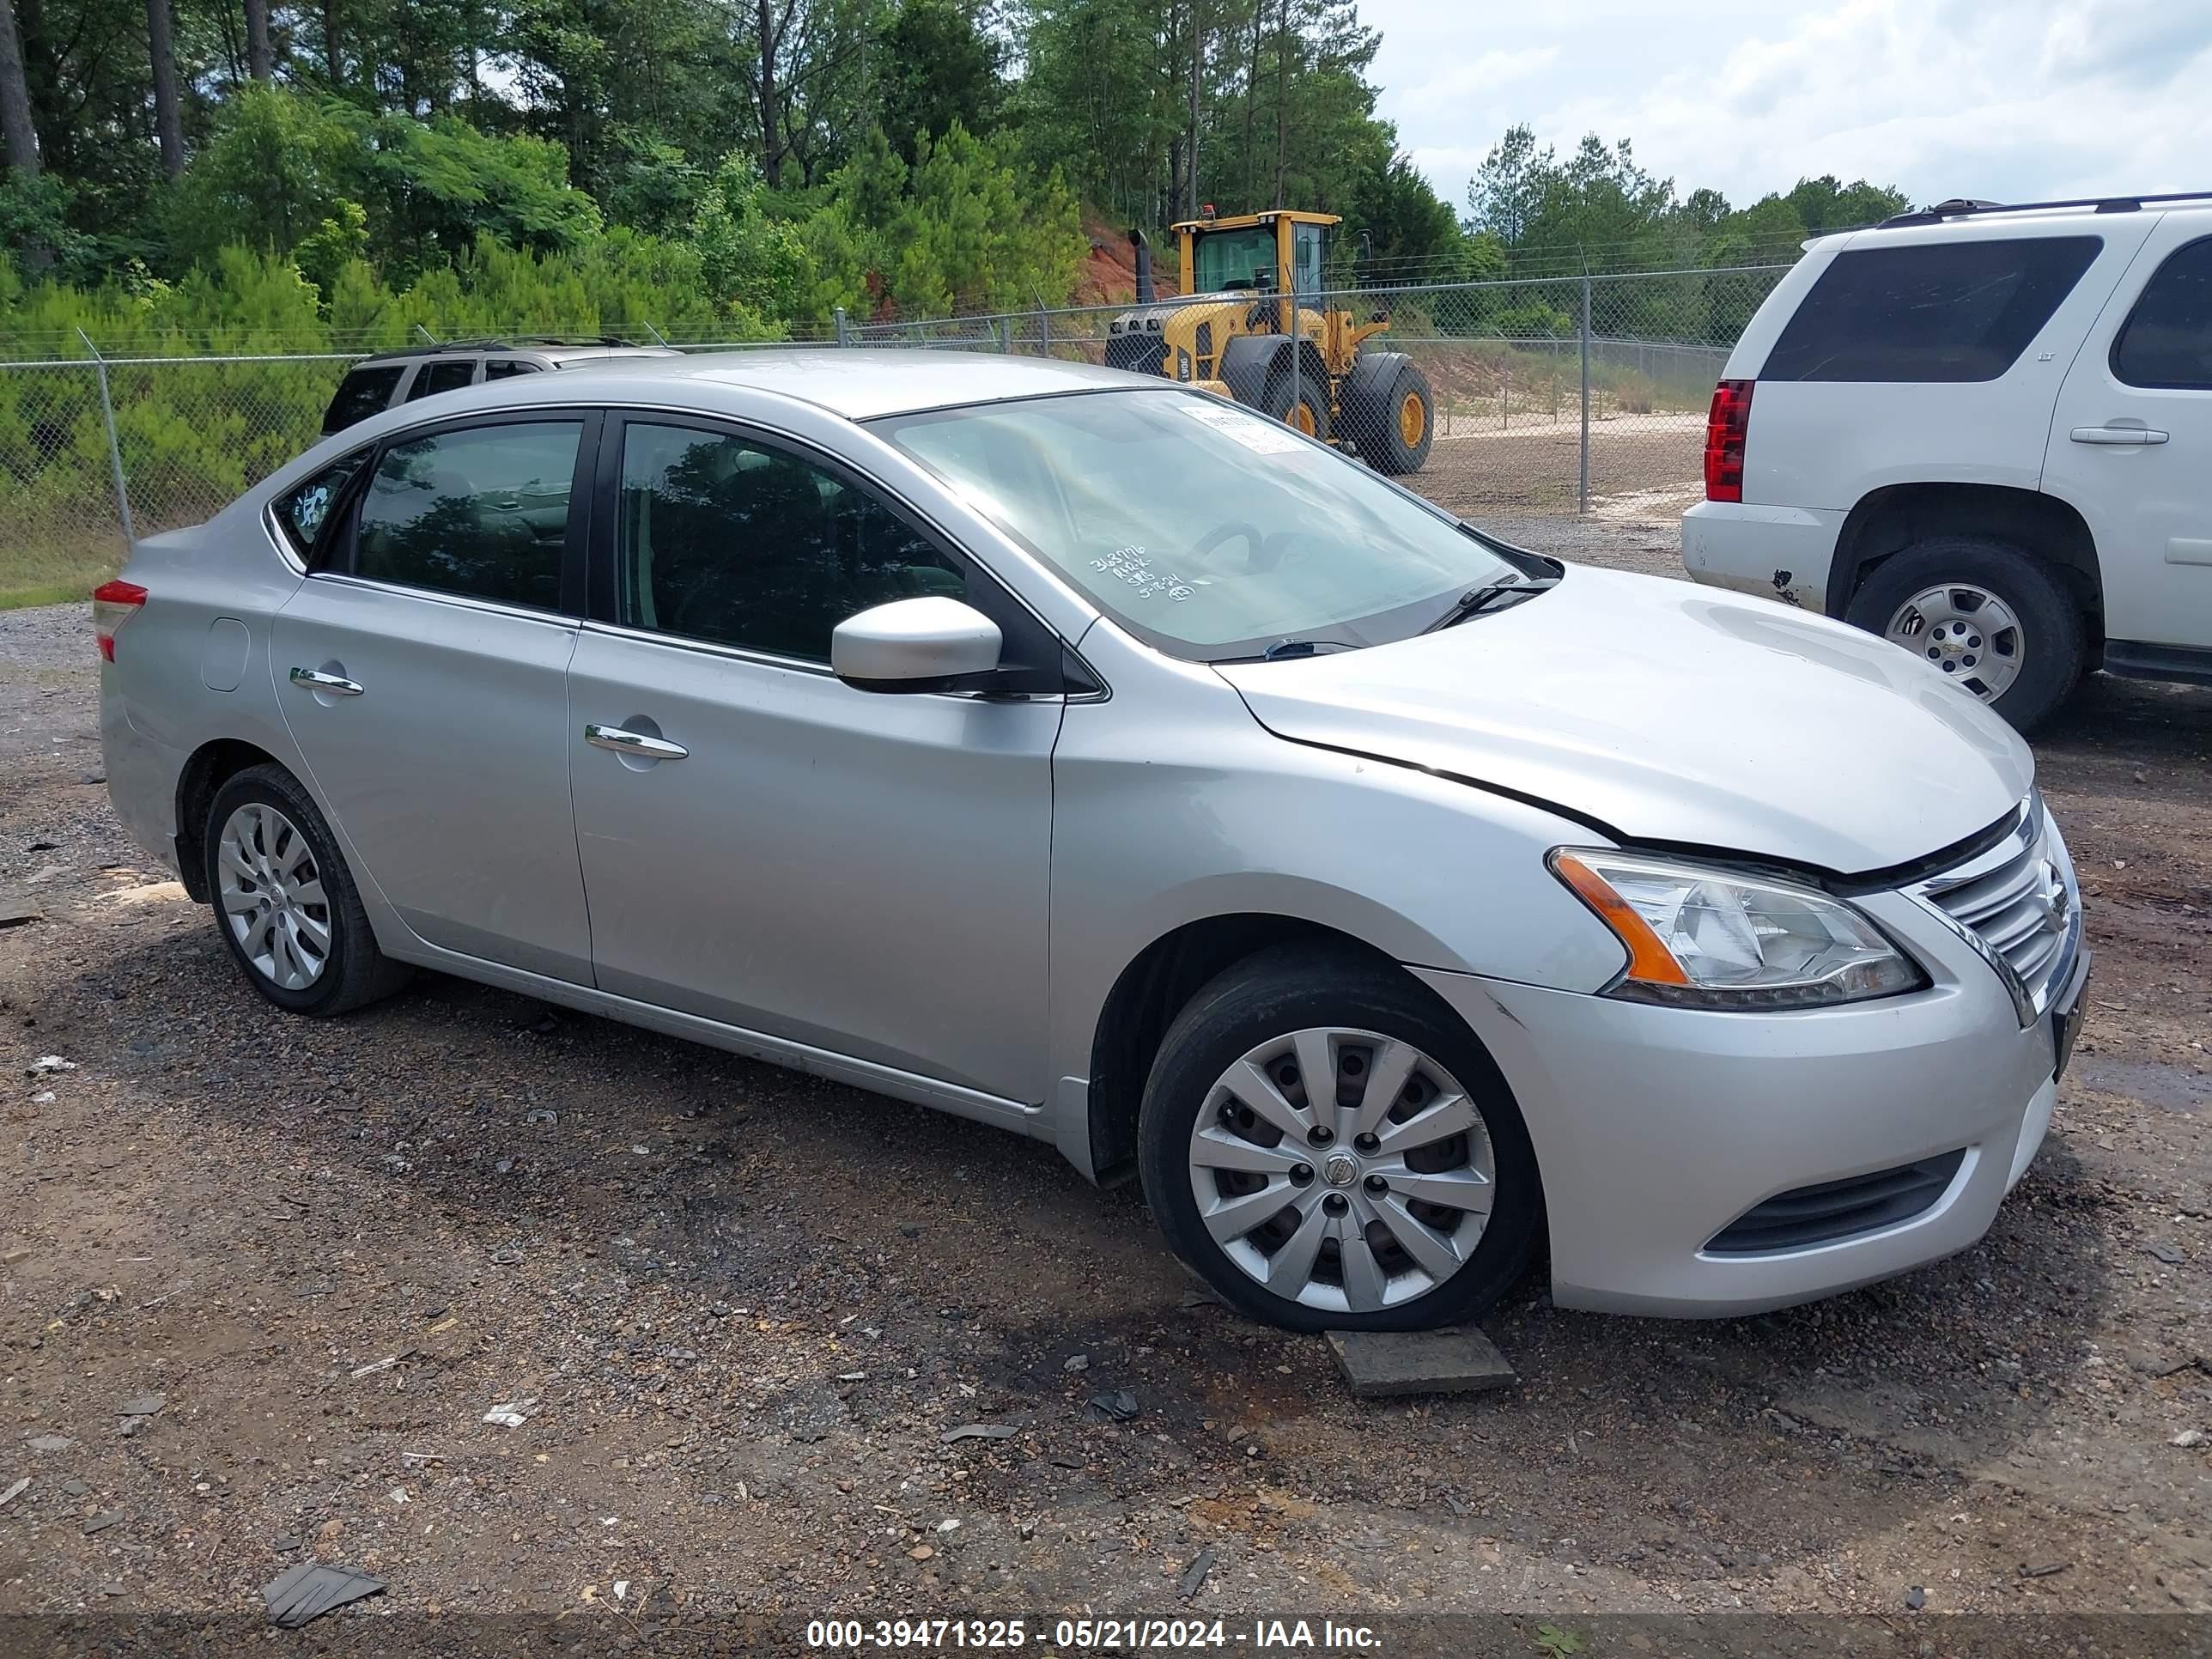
{"x":1703,"y":937}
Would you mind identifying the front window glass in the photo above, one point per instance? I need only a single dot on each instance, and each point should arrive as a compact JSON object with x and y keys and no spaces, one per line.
{"x":1236,"y":258}
{"x":2166,"y":340}
{"x":1208,"y":530}
{"x":721,"y":539}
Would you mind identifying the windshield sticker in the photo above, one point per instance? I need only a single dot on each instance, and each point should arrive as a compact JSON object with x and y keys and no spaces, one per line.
{"x":1130,"y":565}
{"x":1260,"y":436}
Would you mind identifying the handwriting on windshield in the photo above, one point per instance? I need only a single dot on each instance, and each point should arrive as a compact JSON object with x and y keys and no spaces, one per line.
{"x":1131,"y":565}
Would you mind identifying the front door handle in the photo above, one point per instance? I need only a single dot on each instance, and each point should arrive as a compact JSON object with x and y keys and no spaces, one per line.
{"x":2118,"y":435}
{"x":330,"y":686}
{"x":623,"y":741}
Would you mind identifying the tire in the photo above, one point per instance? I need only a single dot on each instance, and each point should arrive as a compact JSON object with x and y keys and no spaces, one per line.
{"x":1392,"y":419}
{"x":318,"y":896}
{"x":1312,"y":402}
{"x":1285,"y":996}
{"x":2047,"y":647}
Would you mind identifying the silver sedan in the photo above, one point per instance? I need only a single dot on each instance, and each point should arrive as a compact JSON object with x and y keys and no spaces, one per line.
{"x":1094,"y":757}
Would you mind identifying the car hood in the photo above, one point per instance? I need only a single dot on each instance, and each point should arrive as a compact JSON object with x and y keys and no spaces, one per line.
{"x":1670,"y":713}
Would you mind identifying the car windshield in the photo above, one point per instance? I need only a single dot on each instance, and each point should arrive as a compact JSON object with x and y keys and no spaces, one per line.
{"x":1208,"y":531}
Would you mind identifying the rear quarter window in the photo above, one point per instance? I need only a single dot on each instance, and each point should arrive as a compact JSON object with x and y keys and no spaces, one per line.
{"x":363,"y":392}
{"x":1929,"y":312}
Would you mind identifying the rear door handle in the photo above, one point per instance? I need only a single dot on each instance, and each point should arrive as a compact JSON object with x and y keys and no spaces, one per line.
{"x":623,"y":741}
{"x":335,"y":685}
{"x":2118,"y":435}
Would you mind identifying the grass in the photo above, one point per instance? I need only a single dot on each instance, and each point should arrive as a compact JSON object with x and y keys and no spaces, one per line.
{"x":46,"y":565}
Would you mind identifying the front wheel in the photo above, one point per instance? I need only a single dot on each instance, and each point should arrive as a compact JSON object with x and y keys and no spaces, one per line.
{"x":1989,"y":617}
{"x":1304,"y":407}
{"x":1331,"y":1149}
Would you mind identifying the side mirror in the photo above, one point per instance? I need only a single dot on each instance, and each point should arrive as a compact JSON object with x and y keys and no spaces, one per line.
{"x":915,"y":645}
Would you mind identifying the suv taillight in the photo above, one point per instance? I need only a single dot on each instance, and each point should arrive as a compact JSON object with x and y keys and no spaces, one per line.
{"x":113,"y":604}
{"x":1726,"y":426}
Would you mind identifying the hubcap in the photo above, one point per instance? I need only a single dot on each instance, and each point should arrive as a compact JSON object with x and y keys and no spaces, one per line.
{"x":1967,"y":632}
{"x":1301,"y":417}
{"x":1393,"y":1207}
{"x":273,"y":896}
{"x":1412,"y":418}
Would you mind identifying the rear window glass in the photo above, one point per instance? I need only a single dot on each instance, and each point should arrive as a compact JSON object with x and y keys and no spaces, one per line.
{"x":444,"y":376}
{"x":362,"y":393}
{"x":2166,"y":340}
{"x":1939,"y":311}
{"x":504,"y":368}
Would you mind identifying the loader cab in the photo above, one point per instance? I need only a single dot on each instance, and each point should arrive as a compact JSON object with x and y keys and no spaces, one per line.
{"x":1253,"y":251}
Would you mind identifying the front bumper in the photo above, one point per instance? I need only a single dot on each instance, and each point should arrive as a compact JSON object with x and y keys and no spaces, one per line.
{"x":1775,"y":552}
{"x":1656,"y":1127}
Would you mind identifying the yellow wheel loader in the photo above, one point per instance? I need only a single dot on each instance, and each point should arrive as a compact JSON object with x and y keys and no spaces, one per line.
{"x":1230,"y":332}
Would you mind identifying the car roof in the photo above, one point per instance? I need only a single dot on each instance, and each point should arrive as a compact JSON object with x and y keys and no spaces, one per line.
{"x":857,"y":383}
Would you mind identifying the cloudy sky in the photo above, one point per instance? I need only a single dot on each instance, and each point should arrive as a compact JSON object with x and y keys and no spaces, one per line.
{"x":2015,"y":99}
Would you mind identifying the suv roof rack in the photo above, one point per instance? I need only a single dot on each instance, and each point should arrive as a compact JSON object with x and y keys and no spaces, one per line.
{"x":1960,"y":206}
{"x":504,"y":343}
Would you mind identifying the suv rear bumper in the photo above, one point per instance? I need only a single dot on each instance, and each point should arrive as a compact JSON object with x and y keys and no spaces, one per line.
{"x":1776,"y":552}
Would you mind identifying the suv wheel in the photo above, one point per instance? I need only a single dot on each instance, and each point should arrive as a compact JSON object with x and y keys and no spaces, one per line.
{"x":1330,"y":1148}
{"x":285,"y":903}
{"x":1986,"y":614}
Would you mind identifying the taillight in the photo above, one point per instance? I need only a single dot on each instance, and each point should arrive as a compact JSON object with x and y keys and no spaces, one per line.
{"x":1726,"y":426}
{"x":113,"y":604}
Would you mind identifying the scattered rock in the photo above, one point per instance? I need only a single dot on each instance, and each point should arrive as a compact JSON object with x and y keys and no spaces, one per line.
{"x":2043,"y":1571}
{"x":142,"y":1405}
{"x":75,"y":1487}
{"x":46,"y":1063}
{"x":1075,"y":1362}
{"x":1194,"y":1575}
{"x":513,"y":1415}
{"x":920,"y":1553}
{"x":102,"y":1523}
{"x":1915,"y":1598}
{"x":287,"y":1544}
{"x":50,"y":1443}
{"x":14,"y":1492}
{"x":978,"y":1431}
{"x":2166,"y":1253}
{"x":2188,"y":1438}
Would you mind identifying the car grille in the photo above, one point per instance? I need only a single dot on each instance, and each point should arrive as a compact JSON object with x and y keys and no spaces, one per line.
{"x":1838,"y":1209}
{"x":2018,"y":903}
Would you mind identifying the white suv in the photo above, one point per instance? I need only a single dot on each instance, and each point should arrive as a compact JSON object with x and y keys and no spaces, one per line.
{"x":1984,"y":432}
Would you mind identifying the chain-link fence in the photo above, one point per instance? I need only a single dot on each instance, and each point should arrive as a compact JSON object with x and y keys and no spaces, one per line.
{"x":1559,"y":395}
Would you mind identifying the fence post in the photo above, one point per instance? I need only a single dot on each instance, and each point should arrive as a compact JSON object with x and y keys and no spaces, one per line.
{"x":114,"y":446}
{"x":842,"y":337}
{"x":1044,"y":332}
{"x":1291,"y":292}
{"x":1582,"y":487}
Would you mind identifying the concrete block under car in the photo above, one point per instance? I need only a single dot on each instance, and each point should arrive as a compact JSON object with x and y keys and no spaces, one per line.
{"x":1379,"y":1364}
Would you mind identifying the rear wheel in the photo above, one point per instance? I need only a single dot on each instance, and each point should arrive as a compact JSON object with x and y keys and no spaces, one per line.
{"x":284,"y":901}
{"x":1988,"y":615}
{"x":1330,"y":1148}
{"x":1305,"y":406}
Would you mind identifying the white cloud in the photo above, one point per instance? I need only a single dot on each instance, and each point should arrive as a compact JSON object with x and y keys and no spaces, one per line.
{"x":2011,"y":98}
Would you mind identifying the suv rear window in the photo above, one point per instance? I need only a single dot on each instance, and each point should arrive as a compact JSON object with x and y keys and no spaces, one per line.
{"x":1937,"y":311}
{"x":363,"y":392}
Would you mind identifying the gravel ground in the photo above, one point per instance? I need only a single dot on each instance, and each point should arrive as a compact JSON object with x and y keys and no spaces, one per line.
{"x":261,"y":1279}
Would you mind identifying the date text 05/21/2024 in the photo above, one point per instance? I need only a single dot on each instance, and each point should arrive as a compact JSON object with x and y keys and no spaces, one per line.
{"x":1080,"y":1635}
